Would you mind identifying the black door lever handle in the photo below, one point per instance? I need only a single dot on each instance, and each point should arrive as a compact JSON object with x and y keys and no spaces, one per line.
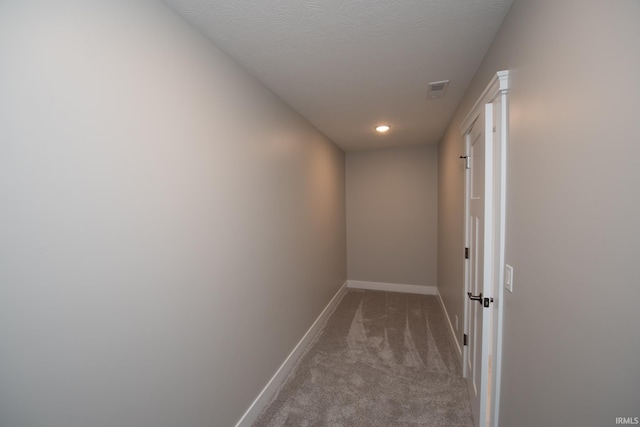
{"x":475,"y":298}
{"x":483,"y":301}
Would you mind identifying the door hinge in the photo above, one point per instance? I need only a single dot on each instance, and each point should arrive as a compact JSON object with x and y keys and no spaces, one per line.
{"x":466,"y":253}
{"x":467,"y":161}
{"x":465,"y":339}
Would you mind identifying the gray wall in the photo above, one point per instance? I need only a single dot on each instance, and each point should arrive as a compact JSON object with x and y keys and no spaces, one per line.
{"x":169,"y":228}
{"x":392,"y":215}
{"x":571,"y":336}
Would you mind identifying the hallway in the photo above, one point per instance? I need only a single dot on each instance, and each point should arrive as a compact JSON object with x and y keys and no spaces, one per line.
{"x":382,"y":359}
{"x":187,"y":187}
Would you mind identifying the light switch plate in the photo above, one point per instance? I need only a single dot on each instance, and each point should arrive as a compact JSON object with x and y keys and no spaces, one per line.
{"x":508,"y":277}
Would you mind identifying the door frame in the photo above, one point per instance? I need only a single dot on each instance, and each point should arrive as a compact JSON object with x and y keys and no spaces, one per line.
{"x":495,"y":93}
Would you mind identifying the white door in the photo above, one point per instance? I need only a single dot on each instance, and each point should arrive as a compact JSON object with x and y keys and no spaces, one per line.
{"x":479,"y":283}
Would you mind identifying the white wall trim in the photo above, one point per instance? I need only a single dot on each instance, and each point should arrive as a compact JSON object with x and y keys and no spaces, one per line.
{"x":499,"y":84}
{"x":453,"y":331}
{"x":267,"y":393}
{"x":392,"y":287}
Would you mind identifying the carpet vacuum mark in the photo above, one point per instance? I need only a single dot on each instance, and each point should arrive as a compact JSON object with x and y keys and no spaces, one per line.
{"x":382,"y":359}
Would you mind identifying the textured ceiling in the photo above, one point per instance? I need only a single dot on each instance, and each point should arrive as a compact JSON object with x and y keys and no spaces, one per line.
{"x":349,"y":65}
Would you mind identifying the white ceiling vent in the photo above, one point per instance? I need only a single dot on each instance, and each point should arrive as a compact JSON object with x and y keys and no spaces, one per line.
{"x":437,"y":89}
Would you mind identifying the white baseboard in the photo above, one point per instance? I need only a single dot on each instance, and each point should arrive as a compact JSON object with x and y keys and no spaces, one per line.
{"x":250,"y":416}
{"x":392,"y":287}
{"x":453,"y":331}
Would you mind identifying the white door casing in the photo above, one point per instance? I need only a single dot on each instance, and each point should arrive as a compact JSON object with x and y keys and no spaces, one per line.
{"x":479,"y":226}
{"x":485,"y":132}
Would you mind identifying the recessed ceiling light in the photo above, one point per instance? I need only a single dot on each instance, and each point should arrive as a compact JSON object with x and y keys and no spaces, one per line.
{"x":383,"y":128}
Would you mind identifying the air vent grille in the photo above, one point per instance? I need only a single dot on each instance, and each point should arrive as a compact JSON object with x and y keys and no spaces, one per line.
{"x":437,"y":89}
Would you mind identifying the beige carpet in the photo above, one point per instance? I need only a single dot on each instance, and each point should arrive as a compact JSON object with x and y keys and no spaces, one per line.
{"x":382,"y":359}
